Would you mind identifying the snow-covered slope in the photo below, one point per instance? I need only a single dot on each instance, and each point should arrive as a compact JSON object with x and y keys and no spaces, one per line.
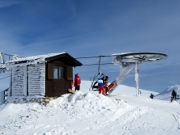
{"x":88,"y":113}
{"x":166,"y":94}
{"x":120,"y":90}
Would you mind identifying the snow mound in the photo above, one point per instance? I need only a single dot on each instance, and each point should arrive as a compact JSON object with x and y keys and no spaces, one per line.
{"x":88,"y":113}
{"x":166,"y":94}
{"x":90,"y":110}
{"x":87,"y":104}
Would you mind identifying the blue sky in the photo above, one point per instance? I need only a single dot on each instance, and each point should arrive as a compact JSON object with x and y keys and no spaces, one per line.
{"x":97,"y":27}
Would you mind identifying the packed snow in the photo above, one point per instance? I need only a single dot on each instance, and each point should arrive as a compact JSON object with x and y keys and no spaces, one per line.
{"x":88,"y":113}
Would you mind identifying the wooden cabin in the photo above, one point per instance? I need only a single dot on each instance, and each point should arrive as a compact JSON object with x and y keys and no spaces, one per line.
{"x":44,"y":75}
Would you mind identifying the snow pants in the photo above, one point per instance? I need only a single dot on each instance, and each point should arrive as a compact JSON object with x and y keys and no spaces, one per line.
{"x":101,"y":89}
{"x":173,"y":98}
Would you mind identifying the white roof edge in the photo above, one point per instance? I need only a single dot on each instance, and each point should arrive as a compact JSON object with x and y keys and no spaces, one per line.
{"x":32,"y":58}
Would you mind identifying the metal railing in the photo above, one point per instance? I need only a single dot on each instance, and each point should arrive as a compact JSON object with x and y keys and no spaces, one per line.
{"x":3,"y":95}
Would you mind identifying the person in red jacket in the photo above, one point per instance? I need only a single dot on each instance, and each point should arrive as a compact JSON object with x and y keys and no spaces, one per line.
{"x":77,"y":82}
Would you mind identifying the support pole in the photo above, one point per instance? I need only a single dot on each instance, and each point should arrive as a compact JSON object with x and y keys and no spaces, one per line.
{"x":10,"y":88}
{"x":2,"y":58}
{"x":137,"y":78}
{"x":99,"y":64}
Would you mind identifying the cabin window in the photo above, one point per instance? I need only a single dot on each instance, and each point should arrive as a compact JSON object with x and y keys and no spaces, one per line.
{"x":55,"y":72}
{"x":61,"y":72}
{"x":58,"y":72}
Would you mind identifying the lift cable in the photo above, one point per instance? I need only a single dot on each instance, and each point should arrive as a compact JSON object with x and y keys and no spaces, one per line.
{"x":94,"y":56}
{"x":97,"y":64}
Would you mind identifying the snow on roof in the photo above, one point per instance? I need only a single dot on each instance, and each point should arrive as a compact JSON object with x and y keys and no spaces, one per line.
{"x":28,"y":60}
{"x":36,"y":58}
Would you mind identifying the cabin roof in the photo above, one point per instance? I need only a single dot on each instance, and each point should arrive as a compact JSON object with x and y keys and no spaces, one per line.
{"x":63,"y":56}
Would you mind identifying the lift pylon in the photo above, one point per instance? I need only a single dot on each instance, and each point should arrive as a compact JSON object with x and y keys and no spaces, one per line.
{"x":130,"y":61}
{"x":4,"y":59}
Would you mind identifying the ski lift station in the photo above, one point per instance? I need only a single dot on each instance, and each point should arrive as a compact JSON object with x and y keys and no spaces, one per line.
{"x":44,"y":75}
{"x":128,"y":62}
{"x":51,"y":75}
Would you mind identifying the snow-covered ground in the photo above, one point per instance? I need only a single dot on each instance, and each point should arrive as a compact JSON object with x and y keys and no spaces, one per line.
{"x":88,"y":113}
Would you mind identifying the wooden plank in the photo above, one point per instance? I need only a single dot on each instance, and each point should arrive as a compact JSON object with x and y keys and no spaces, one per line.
{"x":69,"y":73}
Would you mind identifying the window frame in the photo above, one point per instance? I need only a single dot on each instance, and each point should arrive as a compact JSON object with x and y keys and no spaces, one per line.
{"x":60,"y":72}
{"x":55,"y":72}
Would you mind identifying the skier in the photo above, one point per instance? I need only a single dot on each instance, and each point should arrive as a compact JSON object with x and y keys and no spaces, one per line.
{"x":101,"y":86}
{"x":151,"y":96}
{"x":77,"y":82}
{"x":173,"y":95}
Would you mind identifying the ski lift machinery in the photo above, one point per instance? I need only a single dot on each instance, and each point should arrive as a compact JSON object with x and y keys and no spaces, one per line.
{"x":128,"y":62}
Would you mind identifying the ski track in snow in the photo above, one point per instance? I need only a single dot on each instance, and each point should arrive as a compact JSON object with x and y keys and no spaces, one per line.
{"x":88,"y":113}
{"x":177,"y":119}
